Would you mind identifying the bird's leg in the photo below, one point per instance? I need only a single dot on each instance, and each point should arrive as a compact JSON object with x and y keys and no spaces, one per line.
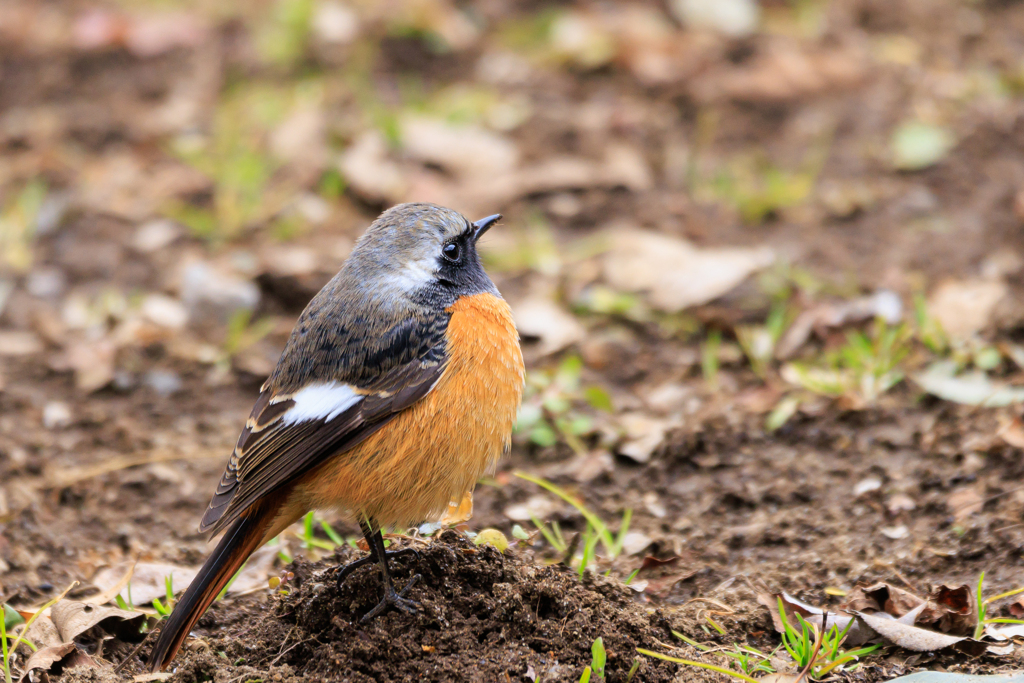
{"x":370,"y":536}
{"x":392,"y":598}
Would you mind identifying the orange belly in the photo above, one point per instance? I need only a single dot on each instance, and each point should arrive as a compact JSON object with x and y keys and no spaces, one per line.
{"x":434,"y":452}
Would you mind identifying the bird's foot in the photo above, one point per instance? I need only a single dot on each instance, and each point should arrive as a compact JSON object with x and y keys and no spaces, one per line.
{"x":344,"y":571}
{"x":396,"y":599}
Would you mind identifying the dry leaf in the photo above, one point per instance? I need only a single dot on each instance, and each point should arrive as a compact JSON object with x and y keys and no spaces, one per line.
{"x":73,"y":618}
{"x":674,"y":274}
{"x":965,"y":502}
{"x":147,"y":581}
{"x":919,"y":639}
{"x":950,"y":610}
{"x":56,"y":658}
{"x":964,"y":307}
{"x":881,"y":597}
{"x":1012,"y":432}
{"x":107,"y":595}
{"x":542,"y":319}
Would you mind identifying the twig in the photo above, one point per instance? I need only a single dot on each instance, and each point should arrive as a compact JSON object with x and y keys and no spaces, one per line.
{"x":134,"y":652}
{"x":282,"y":652}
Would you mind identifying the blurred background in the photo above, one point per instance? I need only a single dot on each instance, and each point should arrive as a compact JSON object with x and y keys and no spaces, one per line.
{"x":766,"y":259}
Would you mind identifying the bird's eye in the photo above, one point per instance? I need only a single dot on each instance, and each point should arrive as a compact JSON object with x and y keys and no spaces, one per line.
{"x":452,"y":251}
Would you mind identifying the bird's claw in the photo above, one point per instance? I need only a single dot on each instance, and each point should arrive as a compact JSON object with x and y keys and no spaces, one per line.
{"x":343,"y":572}
{"x":396,"y":599}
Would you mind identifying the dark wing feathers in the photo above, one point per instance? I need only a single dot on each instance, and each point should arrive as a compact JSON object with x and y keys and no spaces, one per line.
{"x":270,"y":453}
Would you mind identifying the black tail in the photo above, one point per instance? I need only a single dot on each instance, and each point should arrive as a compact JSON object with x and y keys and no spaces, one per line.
{"x":238,"y":542}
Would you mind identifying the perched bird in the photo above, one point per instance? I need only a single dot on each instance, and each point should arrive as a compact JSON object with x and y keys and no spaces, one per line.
{"x":396,"y":391}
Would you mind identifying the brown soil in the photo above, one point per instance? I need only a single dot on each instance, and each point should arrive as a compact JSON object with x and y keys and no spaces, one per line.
{"x":484,"y":615}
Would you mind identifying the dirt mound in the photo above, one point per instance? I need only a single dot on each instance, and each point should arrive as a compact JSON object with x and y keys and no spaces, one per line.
{"x":484,"y":615}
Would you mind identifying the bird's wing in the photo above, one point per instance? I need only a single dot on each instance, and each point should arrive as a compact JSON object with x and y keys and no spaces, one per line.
{"x":289,"y":433}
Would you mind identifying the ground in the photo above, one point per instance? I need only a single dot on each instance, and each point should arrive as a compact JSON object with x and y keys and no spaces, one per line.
{"x":156,"y":181}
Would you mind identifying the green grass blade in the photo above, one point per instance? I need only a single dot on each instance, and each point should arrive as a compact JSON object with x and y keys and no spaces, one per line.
{"x":331,"y":533}
{"x":701,"y":665}
{"x":594,"y":520}
{"x":690,"y":641}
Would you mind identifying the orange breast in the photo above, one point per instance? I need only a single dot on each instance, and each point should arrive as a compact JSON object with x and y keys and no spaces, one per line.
{"x":435,"y":451}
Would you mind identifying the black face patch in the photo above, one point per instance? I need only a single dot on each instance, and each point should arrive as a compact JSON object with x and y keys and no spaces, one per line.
{"x":459,"y":273}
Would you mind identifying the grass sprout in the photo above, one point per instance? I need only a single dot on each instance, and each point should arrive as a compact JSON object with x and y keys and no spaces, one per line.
{"x":599,"y":658}
{"x":597,"y":530}
{"x":8,"y":651}
{"x":759,"y":341}
{"x":18,"y":220}
{"x":866,"y":367}
{"x":164,"y":609}
{"x":983,"y":607}
{"x":815,"y":651}
{"x":700,"y":665}
{"x":709,"y":361}
{"x":749,"y":660}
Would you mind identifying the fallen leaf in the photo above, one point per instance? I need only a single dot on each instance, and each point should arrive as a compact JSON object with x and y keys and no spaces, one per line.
{"x":583,"y":467}
{"x":881,"y":597}
{"x":370,"y":172}
{"x":73,"y":618}
{"x":643,"y":435}
{"x":782,"y":71}
{"x":919,"y":639}
{"x":734,"y":18}
{"x":971,"y":388}
{"x":950,"y":610}
{"x":464,"y":150}
{"x":301,"y":138}
{"x":917,"y":145}
{"x":147,"y":580}
{"x":55,"y":659}
{"x":15,"y":343}
{"x":254,"y":574}
{"x":1005,"y":632}
{"x":951,"y":677}
{"x":107,"y":595}
{"x":93,"y":363}
{"x":965,"y":502}
{"x":634,"y":542}
{"x":895,"y":532}
{"x":43,"y":633}
{"x":965,"y":307}
{"x":674,"y":274}
{"x":540,"y":318}
{"x":1012,"y":432}
{"x":540,"y":506}
{"x":143,"y":35}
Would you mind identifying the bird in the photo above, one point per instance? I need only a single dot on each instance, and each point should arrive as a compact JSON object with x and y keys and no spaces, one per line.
{"x":397,"y":389}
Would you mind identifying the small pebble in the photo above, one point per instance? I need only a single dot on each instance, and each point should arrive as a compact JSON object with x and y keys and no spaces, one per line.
{"x":56,"y":414}
{"x":163,"y":382}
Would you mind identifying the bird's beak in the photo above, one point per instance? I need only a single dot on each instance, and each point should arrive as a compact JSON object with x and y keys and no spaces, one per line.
{"x":484,"y":224}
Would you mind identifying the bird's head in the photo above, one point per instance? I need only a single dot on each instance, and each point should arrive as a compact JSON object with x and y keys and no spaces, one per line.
{"x":424,"y":252}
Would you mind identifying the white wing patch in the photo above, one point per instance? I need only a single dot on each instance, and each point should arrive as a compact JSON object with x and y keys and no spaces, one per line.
{"x":321,"y":402}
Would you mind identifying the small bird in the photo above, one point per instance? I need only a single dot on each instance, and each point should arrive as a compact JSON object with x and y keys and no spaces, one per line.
{"x":396,"y":391}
